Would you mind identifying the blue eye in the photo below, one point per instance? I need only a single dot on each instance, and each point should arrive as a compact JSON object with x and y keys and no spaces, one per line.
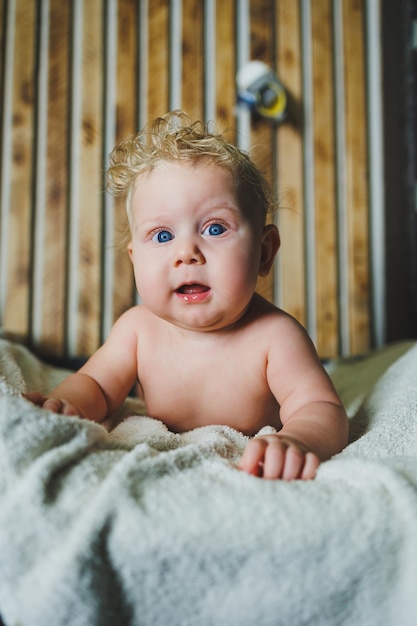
{"x":214,"y":230}
{"x":162,"y":236}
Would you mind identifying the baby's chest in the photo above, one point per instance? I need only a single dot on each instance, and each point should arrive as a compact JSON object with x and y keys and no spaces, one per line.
{"x":189,"y":392}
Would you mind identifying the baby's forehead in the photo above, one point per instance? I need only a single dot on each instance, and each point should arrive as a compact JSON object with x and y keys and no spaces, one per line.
{"x":200,"y":163}
{"x":202,"y":170}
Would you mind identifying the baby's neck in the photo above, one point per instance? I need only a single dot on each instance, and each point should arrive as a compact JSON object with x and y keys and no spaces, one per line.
{"x":199,"y":335}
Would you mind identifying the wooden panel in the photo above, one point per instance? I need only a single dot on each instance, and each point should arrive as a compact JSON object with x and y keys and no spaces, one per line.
{"x":2,"y":41}
{"x":16,"y":318}
{"x":225,"y":66}
{"x":158,"y":52}
{"x":3,"y":33}
{"x":356,"y":173}
{"x":290,"y":217}
{"x":325,"y":178}
{"x":192,"y":60}
{"x":126,"y":124}
{"x":262,"y":20}
{"x":50,"y":301}
{"x":90,"y":183}
{"x":58,"y":181}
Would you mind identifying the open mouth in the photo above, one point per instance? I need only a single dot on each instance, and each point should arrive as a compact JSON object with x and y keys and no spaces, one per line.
{"x":192,"y":288}
{"x":193,"y":292}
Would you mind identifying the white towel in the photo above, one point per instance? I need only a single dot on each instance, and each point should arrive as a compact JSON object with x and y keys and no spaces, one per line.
{"x":146,"y":527}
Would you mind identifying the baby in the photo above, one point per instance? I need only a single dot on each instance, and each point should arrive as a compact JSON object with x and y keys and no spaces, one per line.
{"x":203,"y":347}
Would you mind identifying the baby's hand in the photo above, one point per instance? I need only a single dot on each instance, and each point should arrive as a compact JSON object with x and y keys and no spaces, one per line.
{"x":278,"y":456}
{"x":56,"y":405}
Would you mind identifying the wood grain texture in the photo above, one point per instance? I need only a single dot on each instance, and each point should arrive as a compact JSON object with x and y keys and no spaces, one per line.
{"x":52,"y":331}
{"x":356,"y":173}
{"x":90,"y":181}
{"x":2,"y":43}
{"x":126,"y":124}
{"x":192,"y":58}
{"x":289,"y":165}
{"x":158,"y":55}
{"x":226,"y":67}
{"x":19,"y":241}
{"x":262,"y":48}
{"x":324,"y":178}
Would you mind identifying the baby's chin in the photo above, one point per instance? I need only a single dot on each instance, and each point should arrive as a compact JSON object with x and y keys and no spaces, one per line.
{"x":199,"y":323}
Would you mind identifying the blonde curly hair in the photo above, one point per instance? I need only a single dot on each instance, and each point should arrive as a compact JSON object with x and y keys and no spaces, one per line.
{"x":175,"y":137}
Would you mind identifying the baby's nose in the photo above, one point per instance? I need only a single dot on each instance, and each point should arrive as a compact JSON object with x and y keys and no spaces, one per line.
{"x":189,"y":253}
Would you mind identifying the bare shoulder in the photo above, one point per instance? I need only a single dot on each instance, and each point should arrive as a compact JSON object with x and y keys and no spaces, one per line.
{"x":290,"y":352}
{"x":276,"y":323}
{"x":133,"y":314}
{"x":132,"y":320}
{"x":293,"y":365}
{"x":123,"y":335}
{"x":133,"y":329}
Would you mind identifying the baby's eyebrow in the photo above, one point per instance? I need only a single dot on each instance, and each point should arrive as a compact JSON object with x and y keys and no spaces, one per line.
{"x":151,"y":222}
{"x":223,"y":207}
{"x":206,"y":211}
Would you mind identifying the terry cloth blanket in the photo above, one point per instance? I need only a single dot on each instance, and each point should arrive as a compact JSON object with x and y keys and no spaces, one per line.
{"x":145,"y":527}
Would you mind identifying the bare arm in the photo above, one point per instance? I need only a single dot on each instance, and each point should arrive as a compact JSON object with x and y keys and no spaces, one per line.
{"x":314,"y":422}
{"x":78,"y":394}
{"x":102,"y":384}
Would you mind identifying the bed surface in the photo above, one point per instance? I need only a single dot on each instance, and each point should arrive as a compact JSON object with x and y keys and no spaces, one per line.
{"x":143,"y":526}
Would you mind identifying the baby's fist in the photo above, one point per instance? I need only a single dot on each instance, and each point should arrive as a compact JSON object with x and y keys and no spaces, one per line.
{"x":276,"y":456}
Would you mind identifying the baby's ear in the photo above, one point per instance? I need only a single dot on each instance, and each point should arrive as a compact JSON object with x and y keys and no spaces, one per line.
{"x":130,"y":250}
{"x":270,"y":246}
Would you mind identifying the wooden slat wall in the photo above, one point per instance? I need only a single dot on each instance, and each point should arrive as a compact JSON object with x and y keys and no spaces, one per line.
{"x":290,"y":283}
{"x":193,"y":57}
{"x":87,"y":180}
{"x":356,"y":175}
{"x":225,"y":66}
{"x":50,"y":211}
{"x":17,"y":149}
{"x":127,"y":118}
{"x":324,"y":175}
{"x":77,"y":77}
{"x":262,"y":40}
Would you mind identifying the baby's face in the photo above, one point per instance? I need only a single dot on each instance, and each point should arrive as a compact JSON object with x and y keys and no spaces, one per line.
{"x":196,"y":256}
